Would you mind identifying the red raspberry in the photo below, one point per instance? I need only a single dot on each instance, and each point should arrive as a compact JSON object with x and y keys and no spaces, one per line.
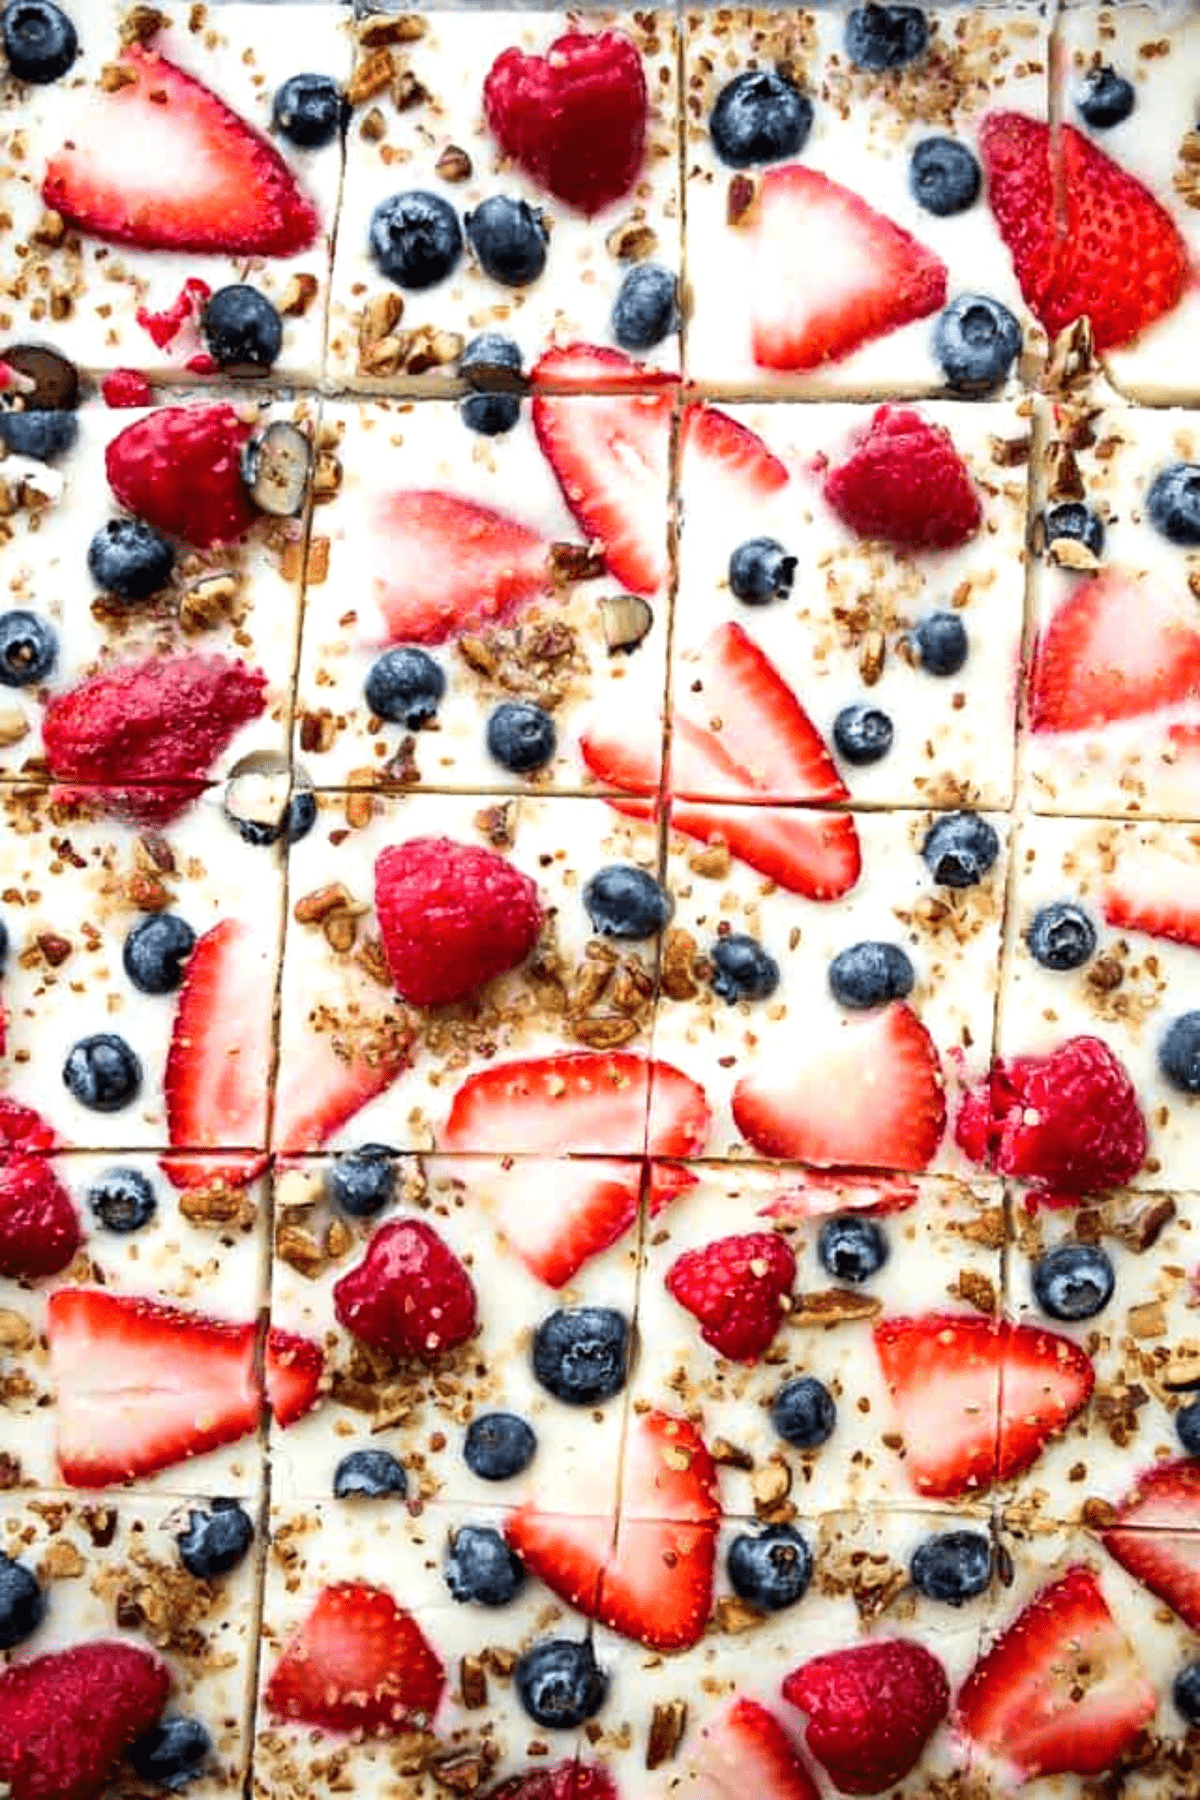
{"x":871,"y":1711}
{"x":738,"y":1289}
{"x":410,"y":1296}
{"x":904,"y":483}
{"x":164,"y":327}
{"x":564,"y":1781}
{"x":67,"y":1718}
{"x":39,"y":1227}
{"x":180,"y":469}
{"x":1069,"y":1121}
{"x":125,"y":387}
{"x":23,"y":1129}
{"x":452,"y":916}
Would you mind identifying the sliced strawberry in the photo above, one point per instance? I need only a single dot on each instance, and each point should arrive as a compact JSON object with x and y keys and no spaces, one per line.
{"x":358,"y":1663}
{"x":1090,"y":668}
{"x":624,"y":752}
{"x":1157,"y":1536}
{"x":233,"y":1169}
{"x":1060,"y":1691}
{"x":722,"y":460}
{"x":1045,"y":1380}
{"x":811,"y":853}
{"x":566,"y":1551}
{"x":702,"y":759}
{"x":180,"y":469}
{"x":870,"y":1096}
{"x":161,"y":163}
{"x":557,"y":1216}
{"x":444,"y":566}
{"x":611,"y":455}
{"x":668,"y":1472}
{"x":1156,"y":893}
{"x":219,"y":1064}
{"x":141,"y":1386}
{"x":869,"y":278}
{"x":591,"y":368}
{"x":580,"y":1103}
{"x":1016,"y":153}
{"x":741,"y":1750}
{"x":666,"y":1183}
{"x":817,"y":1195}
{"x":68,"y":1717}
{"x":561,"y":1781}
{"x":333,"y":1074}
{"x":292,"y":1375}
{"x":679,"y":1113}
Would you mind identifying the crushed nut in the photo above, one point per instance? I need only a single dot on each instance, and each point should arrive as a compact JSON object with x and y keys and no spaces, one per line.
{"x":453,"y":164}
{"x":298,"y":295}
{"x":741,"y":198}
{"x":631,"y":241}
{"x":667,"y":1725}
{"x":374,"y":74}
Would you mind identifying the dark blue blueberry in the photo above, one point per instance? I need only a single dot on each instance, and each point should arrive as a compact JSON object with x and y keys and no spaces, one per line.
{"x":625,"y":902}
{"x":3,"y":944}
{"x":1072,"y":519}
{"x":976,"y":341}
{"x":301,"y":814}
{"x":509,"y":239}
{"x":870,"y":974}
{"x":772,"y":1570}
{"x":580,"y":1354}
{"x":943,"y":176}
{"x":242,"y":328}
{"x":851,"y":1247}
{"x":1187,"y":1427}
{"x":172,"y":1753}
{"x":155,"y":952}
{"x":940,"y":640}
{"x":39,"y":40}
{"x":742,"y":969}
{"x":959,"y":849}
{"x":216,"y":1540}
{"x":647,"y":307}
{"x":363,"y":1181}
{"x":45,"y":436}
{"x":521,"y":736}
{"x":123,"y":1200}
{"x":885,"y":37}
{"x":1061,"y":936}
{"x":28,"y":648}
{"x":1073,"y":1281}
{"x":369,"y":1475}
{"x":1179,"y":1053}
{"x":498,"y":1446}
{"x":308,"y":110}
{"x":130,"y":559}
{"x":103,"y":1073}
{"x":22,"y":1602}
{"x":1174,"y":503}
{"x":405,"y":686}
{"x":759,"y":117}
{"x":862,"y":734}
{"x":761,"y":570}
{"x":1104,"y":98}
{"x":560,"y":1684}
{"x":491,"y":415}
{"x":479,"y":1566}
{"x":1185,"y":1692}
{"x":954,"y":1566}
{"x":415,"y":239}
{"x":803,"y":1412}
{"x":491,"y":363}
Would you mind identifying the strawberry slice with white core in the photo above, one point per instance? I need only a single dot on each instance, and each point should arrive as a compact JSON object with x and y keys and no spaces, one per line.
{"x":359,"y":1663}
{"x":724,"y":463}
{"x":1157,"y":1536}
{"x":1091,"y":668}
{"x":1154,"y":892}
{"x":817,"y":1196}
{"x":219,"y":1063}
{"x":810,"y":853}
{"x":624,"y":752}
{"x":565,"y":1551}
{"x":444,"y":566}
{"x":581,"y":1103}
{"x":830,"y":273}
{"x":322,"y":1086}
{"x":1045,"y":1381}
{"x":589,"y":368}
{"x":868,"y":1096}
{"x":292,"y":1371}
{"x":142,"y":1386}
{"x":744,"y":1750}
{"x":1061,"y":1690}
{"x":557,"y":1217}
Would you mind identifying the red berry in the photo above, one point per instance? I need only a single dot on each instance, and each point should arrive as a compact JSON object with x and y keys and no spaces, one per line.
{"x":358,"y":1663}
{"x":563,"y":1781}
{"x":904,"y":483}
{"x":39,"y":1227}
{"x":871,"y":1711}
{"x":67,"y":1718}
{"x":23,"y":1129}
{"x":180,"y":469}
{"x":188,"y":304}
{"x":452,"y":916}
{"x":738,"y":1289}
{"x":409,"y":1296}
{"x":126,"y":387}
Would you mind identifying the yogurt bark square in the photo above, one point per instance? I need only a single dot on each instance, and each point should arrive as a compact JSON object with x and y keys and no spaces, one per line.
{"x":820,"y":156}
{"x":461,"y":630}
{"x":511,"y":173}
{"x":114,"y":251}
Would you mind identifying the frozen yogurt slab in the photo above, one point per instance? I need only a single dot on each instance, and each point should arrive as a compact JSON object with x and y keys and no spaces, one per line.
{"x":511,"y":173}
{"x":820,"y":143}
{"x":152,"y":175}
{"x":462,"y":630}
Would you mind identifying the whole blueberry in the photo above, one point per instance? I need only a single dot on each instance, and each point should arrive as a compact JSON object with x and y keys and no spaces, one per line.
{"x":646,"y":308}
{"x":521,"y":736}
{"x":39,"y":40}
{"x":862,"y":734}
{"x":172,"y":1754}
{"x":759,"y":117}
{"x":803,"y":1412}
{"x":953,"y":1566}
{"x":498,"y":1446}
{"x":308,"y":110}
{"x":301,"y":814}
{"x":870,"y":974}
{"x":959,"y":849}
{"x":103,"y":1073}
{"x":772,"y":1569}
{"x":22,"y":1602}
{"x":560,"y":1684}
{"x":1187,"y":1427}
{"x":976,"y":341}
{"x":509,"y":238}
{"x":28,"y":649}
{"x":415,"y":239}
{"x":155,"y":952}
{"x":1061,"y":936}
{"x":626,"y":902}
{"x":581,"y":1354}
{"x":479,"y":1566}
{"x":1103,"y":98}
{"x":1072,"y":519}
{"x":491,"y":415}
{"x":405,"y":686}
{"x":940,"y":640}
{"x":943,"y":176}
{"x":1185,"y":1692}
{"x":44,"y":436}
{"x":742,"y":969}
{"x":851,"y":1247}
{"x":216,"y":1540}
{"x":885,"y":37}
{"x":363,"y":1181}
{"x":123,"y":1200}
{"x":1174,"y":503}
{"x":129,"y":559}
{"x":760,"y":570}
{"x":369,"y":1475}
{"x":1073,"y":1281}
{"x":491,"y":363}
{"x":1179,"y":1053}
{"x":241,"y":327}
